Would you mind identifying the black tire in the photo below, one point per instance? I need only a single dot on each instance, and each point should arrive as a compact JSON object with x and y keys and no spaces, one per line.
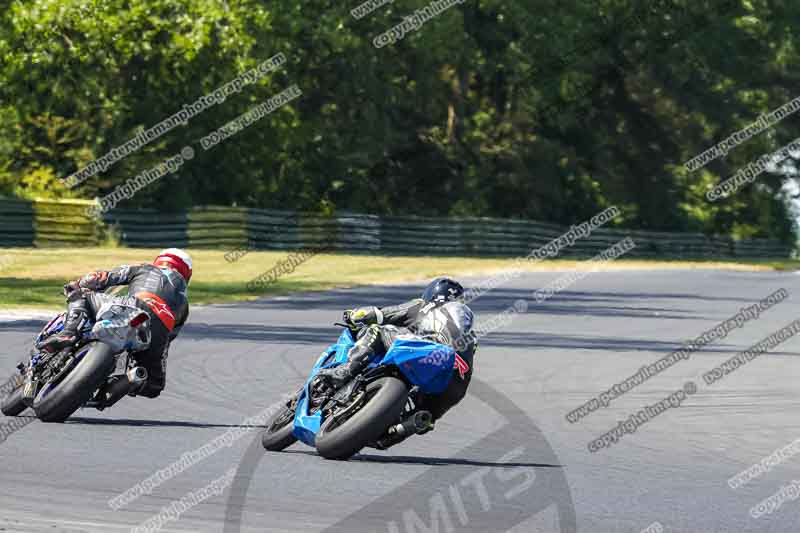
{"x":13,"y":404}
{"x":278,"y":434}
{"x":77,"y":388}
{"x":387,"y":397}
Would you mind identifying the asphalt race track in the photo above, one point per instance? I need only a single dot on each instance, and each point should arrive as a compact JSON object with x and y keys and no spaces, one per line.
{"x":505,"y":459}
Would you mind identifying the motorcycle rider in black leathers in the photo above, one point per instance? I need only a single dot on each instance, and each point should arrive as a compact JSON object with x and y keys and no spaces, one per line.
{"x":439,"y":316}
{"x":159,"y":289}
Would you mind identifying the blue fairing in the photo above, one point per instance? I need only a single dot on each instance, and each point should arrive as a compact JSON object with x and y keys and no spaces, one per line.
{"x":425,"y":364}
{"x":306,"y":424}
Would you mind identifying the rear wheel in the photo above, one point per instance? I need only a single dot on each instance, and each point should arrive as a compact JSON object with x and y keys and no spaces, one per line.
{"x":13,"y":403}
{"x":57,"y":403}
{"x":341,"y":439}
{"x":278,"y":434}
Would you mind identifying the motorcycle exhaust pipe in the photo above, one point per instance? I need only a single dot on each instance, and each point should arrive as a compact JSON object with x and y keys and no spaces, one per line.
{"x":423,"y":420}
{"x":417,"y":424}
{"x":137,"y":376}
{"x":122,"y":386}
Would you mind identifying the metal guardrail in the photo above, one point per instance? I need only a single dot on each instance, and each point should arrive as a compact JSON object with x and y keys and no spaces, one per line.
{"x":65,"y":223}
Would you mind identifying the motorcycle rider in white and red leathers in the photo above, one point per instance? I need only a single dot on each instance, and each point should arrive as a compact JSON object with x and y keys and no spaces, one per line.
{"x":159,"y":289}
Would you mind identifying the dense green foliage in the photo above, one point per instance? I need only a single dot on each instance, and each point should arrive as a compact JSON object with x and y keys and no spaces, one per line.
{"x":519,"y":108}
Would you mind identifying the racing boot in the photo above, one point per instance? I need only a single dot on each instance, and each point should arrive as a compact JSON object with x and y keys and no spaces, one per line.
{"x":419,"y":423}
{"x":117,"y":387}
{"x":69,"y":335}
{"x":358,"y":358}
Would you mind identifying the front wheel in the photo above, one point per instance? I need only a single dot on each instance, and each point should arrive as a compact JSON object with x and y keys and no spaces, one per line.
{"x":13,"y":404}
{"x":341,"y":439}
{"x":278,"y":434}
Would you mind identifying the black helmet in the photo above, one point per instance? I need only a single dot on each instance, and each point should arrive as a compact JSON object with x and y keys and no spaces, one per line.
{"x":443,"y":290}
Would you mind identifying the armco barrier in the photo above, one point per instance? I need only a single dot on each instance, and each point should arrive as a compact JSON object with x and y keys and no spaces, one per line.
{"x":64,"y":223}
{"x":16,"y":223}
{"x":47,"y":223}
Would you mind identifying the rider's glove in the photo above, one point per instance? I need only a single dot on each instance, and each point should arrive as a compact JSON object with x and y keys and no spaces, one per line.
{"x":363,"y":316}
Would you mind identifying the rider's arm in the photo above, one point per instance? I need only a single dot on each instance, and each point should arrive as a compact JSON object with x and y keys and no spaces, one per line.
{"x":175,"y":332}
{"x":179,"y":325}
{"x":102,"y":279}
{"x":402,"y":315}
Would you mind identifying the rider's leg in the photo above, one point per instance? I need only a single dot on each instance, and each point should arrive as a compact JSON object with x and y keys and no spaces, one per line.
{"x":370,"y":341}
{"x":457,"y":388}
{"x":80,"y":306}
{"x":78,"y":309}
{"x":154,"y":360}
{"x":117,"y":386}
{"x":431,"y":409}
{"x":441,"y":403}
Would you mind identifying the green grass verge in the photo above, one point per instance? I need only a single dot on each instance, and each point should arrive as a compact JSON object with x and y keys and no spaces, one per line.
{"x":32,"y":278}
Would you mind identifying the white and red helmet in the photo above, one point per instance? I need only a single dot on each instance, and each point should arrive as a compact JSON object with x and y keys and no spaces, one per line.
{"x":177,"y":260}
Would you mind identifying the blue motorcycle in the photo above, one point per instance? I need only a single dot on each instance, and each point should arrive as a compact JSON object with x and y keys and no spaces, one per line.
{"x":381,"y":400}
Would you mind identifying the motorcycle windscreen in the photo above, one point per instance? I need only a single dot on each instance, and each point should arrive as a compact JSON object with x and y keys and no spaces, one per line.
{"x":425,"y":364}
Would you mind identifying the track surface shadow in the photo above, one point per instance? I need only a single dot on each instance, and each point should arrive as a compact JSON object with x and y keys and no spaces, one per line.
{"x":145,"y":423}
{"x":429,"y":461}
